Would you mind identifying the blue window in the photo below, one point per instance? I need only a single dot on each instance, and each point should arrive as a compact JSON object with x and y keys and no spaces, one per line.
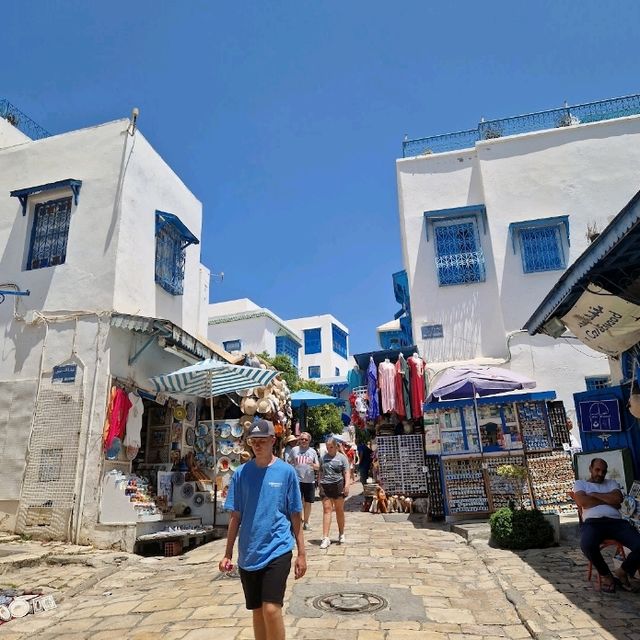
{"x":312,"y":341}
{"x":286,"y":346}
{"x":597,"y":382}
{"x":339,"y":341}
{"x":314,"y":372}
{"x":232,"y":345}
{"x":172,"y":239}
{"x":541,"y":245}
{"x":391,"y":339}
{"x":49,"y":234}
{"x":459,"y":256}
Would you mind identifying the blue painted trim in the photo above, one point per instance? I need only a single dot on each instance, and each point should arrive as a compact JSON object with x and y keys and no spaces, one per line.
{"x":469,"y":211}
{"x":466,"y":402}
{"x":23,"y":194}
{"x":554,"y":221}
{"x":11,"y":292}
{"x":163,"y":218}
{"x":625,"y":222}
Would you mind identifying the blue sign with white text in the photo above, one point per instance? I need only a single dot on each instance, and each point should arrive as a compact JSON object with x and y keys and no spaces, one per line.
{"x":65,"y":373}
{"x":600,"y":416}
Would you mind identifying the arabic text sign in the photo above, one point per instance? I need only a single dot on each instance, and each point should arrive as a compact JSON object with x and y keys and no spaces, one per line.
{"x":604,"y":322}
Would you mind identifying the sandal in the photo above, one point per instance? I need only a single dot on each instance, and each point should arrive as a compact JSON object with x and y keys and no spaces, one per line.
{"x":608,"y":587}
{"x":624,"y":585}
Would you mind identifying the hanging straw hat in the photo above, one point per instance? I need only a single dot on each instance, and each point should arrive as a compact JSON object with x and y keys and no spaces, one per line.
{"x":261,"y":392}
{"x":264,"y":406}
{"x":249,"y":406}
{"x":245,"y":393}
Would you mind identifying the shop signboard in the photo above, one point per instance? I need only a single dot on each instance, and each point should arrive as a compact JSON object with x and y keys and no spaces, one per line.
{"x":431,"y":331}
{"x":600,"y":416}
{"x":64,"y":374}
{"x":604,"y":322}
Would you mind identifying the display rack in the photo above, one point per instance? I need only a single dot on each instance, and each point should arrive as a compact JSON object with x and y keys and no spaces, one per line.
{"x":502,"y":490}
{"x":558,"y":422}
{"x":402,"y":464}
{"x":552,"y":478}
{"x":534,"y":426}
{"x":434,"y":486}
{"x":465,"y":486}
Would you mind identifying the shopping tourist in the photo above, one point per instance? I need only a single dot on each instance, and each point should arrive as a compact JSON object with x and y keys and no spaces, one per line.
{"x":334,"y":488}
{"x":305,"y":461}
{"x":265,"y":505}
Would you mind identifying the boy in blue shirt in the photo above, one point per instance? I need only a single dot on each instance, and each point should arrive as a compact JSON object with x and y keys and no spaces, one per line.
{"x":264,"y":498}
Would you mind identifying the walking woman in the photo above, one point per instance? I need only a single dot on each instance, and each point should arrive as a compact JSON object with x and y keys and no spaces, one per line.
{"x":334,"y":488}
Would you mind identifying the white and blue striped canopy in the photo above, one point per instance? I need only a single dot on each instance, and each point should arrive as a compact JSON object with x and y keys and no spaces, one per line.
{"x":213,"y":378}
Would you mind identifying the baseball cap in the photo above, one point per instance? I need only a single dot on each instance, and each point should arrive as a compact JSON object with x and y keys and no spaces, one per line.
{"x":261,"y":429}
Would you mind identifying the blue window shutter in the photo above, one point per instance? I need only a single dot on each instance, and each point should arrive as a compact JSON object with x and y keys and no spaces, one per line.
{"x":312,"y":341}
{"x":49,"y":234}
{"x":597,"y":382}
{"x":314,"y":372}
{"x":541,"y":249}
{"x":286,"y":346}
{"x":339,"y":339}
{"x":232,"y":345}
{"x":459,"y":256}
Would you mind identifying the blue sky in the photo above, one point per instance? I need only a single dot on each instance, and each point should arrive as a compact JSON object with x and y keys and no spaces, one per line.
{"x":285,"y":118}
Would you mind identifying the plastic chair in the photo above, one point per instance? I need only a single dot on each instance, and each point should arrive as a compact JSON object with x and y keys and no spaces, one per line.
{"x":603,"y":545}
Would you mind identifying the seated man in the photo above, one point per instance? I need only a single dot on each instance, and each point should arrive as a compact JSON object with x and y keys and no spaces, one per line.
{"x":600,"y":501}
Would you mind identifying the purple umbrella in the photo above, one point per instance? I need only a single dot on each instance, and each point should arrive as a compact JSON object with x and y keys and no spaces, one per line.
{"x":469,"y":382}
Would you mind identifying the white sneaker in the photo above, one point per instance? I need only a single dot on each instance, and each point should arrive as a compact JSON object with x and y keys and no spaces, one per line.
{"x":342,"y":538}
{"x":325,"y":543}
{"x":307,"y":527}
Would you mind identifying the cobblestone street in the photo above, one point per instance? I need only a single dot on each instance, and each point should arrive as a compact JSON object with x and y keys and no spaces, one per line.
{"x":437,"y":586}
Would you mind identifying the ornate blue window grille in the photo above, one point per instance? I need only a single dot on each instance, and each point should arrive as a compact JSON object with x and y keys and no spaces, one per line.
{"x":339,"y":338}
{"x":172,"y":239}
{"x":312,"y":341}
{"x":314,"y":371}
{"x":541,"y":249}
{"x":597,"y":382}
{"x":232,"y":345}
{"x":49,"y":234}
{"x":286,"y":346}
{"x":459,"y":256}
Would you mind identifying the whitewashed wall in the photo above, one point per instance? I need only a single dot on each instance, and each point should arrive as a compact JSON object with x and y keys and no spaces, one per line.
{"x":256,"y":334}
{"x":10,"y":136}
{"x":588,"y":172}
{"x":327,"y":359}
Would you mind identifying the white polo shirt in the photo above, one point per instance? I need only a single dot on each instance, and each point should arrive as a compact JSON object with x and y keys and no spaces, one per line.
{"x":601,"y":510}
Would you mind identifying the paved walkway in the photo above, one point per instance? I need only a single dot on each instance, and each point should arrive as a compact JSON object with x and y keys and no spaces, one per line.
{"x":436,"y":586}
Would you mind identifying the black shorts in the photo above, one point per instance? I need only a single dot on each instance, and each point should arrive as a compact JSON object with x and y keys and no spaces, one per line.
{"x":334,"y":490}
{"x":267,"y":584}
{"x":308,"y":491}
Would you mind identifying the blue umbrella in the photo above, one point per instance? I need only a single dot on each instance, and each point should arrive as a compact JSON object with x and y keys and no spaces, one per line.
{"x":312,"y":399}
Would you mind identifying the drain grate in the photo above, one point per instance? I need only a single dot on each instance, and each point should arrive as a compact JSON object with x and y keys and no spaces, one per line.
{"x":350,"y":602}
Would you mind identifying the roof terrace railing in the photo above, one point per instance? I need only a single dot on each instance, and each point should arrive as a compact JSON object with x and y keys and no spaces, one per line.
{"x":21,"y":121}
{"x":551,"y":119}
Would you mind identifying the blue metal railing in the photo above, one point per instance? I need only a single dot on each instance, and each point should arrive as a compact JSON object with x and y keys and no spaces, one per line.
{"x":21,"y":121}
{"x":538,"y":121}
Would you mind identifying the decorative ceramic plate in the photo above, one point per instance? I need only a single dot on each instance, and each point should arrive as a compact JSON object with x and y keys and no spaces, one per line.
{"x":202,"y":430}
{"x":211,"y":461}
{"x":235,"y":464}
{"x":238,"y":448}
{"x":178,"y":479}
{"x":236,"y":430}
{"x":225,"y":447}
{"x":628,"y":506}
{"x":5,"y":614}
{"x":191,"y":411}
{"x":201,"y":458}
{"x":225,"y":430}
{"x":224,"y":464}
{"x":19,"y":608}
{"x":190,"y":437}
{"x":198,"y":499}
{"x":179,"y":412}
{"x":187,"y":490}
{"x":201,"y":444}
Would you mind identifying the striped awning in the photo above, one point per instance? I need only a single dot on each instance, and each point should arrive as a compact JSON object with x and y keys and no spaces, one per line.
{"x":213,"y":378}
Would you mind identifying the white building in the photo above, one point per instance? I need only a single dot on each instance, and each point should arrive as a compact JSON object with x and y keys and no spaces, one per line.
{"x":241,"y":326}
{"x":325,"y":350}
{"x":489,"y":218}
{"x":105,"y":237}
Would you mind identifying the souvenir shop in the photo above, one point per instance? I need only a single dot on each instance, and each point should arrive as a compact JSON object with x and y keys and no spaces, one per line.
{"x":167,"y":465}
{"x":472,"y":439}
{"x":387,"y":392}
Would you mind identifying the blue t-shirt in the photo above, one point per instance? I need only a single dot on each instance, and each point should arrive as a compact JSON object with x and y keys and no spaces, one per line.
{"x":265,"y":497}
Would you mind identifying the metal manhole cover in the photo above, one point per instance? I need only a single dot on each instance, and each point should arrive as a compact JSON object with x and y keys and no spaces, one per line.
{"x":350,"y":602}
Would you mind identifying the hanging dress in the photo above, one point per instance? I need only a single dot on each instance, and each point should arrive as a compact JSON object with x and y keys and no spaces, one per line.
{"x":372,"y":390}
{"x":403,"y":386}
{"x":416,"y":375}
{"x":387,"y":384}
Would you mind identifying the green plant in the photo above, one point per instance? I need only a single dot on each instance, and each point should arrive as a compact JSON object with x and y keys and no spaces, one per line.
{"x":516,"y":476}
{"x":520,"y":529}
